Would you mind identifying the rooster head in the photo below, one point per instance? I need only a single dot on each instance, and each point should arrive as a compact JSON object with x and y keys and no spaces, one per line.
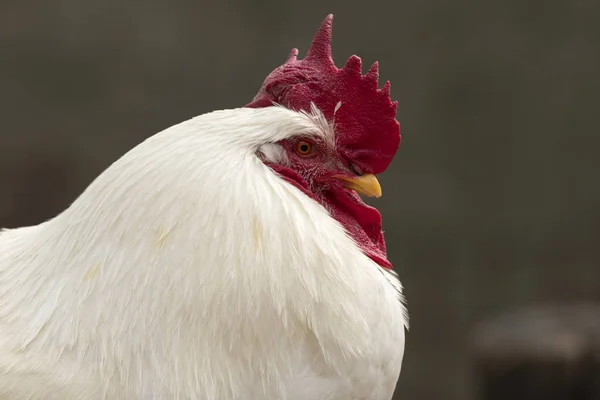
{"x":364,"y":136}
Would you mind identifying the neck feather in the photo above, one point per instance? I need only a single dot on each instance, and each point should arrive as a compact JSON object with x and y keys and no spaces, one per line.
{"x":166,"y":247}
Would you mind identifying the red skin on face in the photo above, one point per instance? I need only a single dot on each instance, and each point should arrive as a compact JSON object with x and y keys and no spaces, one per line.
{"x":313,"y":176}
{"x":366,"y":140}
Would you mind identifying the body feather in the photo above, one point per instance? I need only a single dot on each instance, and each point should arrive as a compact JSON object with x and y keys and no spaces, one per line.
{"x":190,"y":270}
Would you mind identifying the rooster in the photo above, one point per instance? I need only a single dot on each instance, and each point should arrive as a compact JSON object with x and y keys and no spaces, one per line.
{"x":227,"y":257}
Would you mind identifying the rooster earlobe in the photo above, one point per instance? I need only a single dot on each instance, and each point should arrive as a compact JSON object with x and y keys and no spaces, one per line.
{"x":320,"y":48}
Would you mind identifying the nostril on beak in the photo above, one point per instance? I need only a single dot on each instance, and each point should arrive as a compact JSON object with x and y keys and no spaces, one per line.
{"x":356,"y":170}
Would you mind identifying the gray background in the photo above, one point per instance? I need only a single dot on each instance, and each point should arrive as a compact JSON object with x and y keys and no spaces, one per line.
{"x":493,"y":201}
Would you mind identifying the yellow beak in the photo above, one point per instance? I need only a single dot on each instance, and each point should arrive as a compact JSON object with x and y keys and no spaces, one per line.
{"x":367,"y":185}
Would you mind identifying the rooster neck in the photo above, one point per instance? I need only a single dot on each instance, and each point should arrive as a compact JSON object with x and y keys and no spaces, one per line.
{"x":171,"y":263}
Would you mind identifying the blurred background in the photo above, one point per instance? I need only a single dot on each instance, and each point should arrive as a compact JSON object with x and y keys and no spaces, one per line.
{"x":493,"y":202}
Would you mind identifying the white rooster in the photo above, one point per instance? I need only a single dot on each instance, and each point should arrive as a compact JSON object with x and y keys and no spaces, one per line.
{"x":227,"y":257}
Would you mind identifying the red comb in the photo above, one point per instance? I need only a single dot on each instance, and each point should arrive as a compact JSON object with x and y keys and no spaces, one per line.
{"x":367,"y":132}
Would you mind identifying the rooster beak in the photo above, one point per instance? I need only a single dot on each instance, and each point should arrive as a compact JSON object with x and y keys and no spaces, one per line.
{"x":367,"y":185}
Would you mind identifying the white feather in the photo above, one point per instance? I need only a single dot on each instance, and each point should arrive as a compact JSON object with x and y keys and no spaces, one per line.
{"x":190,"y":270}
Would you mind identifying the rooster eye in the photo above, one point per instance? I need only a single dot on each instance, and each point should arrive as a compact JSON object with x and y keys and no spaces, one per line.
{"x":304,"y":148}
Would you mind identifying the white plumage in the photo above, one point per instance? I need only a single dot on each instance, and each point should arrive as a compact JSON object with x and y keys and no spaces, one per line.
{"x":190,"y":270}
